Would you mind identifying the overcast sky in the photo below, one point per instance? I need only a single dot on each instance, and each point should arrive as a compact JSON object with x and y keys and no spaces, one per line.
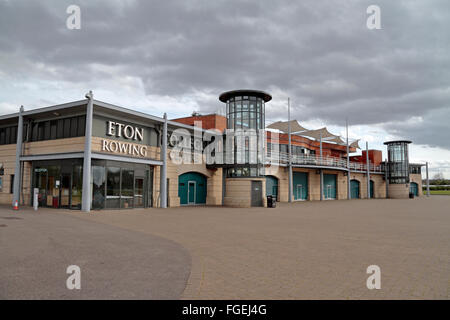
{"x":178,"y":56}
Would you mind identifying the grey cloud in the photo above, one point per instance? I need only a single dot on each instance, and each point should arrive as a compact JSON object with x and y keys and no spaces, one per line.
{"x":319,"y":53}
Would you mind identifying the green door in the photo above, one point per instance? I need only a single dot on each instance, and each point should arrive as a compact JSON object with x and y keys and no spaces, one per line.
{"x":354,"y":189}
{"x":372,"y":188}
{"x":191,"y":192}
{"x":329,"y":186}
{"x":414,"y":188}
{"x":192,"y":188}
{"x":300,"y":184}
{"x":272,"y":186}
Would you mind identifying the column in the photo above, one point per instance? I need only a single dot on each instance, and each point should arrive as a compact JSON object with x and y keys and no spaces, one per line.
{"x":163,"y":175}
{"x":86,"y":194}
{"x":368,"y":170}
{"x":17,"y":171}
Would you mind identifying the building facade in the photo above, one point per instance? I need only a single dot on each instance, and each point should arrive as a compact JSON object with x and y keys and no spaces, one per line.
{"x":132,"y":159}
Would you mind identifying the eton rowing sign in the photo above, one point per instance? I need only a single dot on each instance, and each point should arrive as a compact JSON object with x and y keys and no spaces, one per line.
{"x":129,"y":132}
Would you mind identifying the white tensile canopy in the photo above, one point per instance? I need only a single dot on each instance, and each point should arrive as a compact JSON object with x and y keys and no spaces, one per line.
{"x":337,"y":140}
{"x":283,"y":126}
{"x":318,"y":133}
{"x":315,"y":134}
{"x":355,"y":144}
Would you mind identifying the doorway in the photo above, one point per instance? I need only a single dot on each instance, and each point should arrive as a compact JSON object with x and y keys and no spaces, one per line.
{"x":139,"y":192}
{"x":191,"y":192}
{"x":64,"y":191}
{"x":256,"y":194}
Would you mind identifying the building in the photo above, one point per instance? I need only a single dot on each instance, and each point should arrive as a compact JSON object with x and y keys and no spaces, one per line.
{"x":136,"y":160}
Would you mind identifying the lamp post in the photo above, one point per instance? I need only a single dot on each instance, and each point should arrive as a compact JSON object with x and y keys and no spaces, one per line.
{"x":321,"y":171}
{"x":348,"y":162}
{"x":289,"y":151}
{"x":368,"y":170}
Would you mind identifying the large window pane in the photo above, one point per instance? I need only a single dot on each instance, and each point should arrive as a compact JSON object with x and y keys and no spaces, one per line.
{"x":113,"y":188}
{"x":77,"y":186}
{"x":73,"y":127}
{"x":66,"y":128}
{"x":98,"y":187}
{"x":127,"y":188}
{"x":81,"y":126}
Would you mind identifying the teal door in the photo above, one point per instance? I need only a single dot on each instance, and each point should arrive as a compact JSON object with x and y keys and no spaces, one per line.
{"x":300,"y":184}
{"x":372,"y":188}
{"x":354,"y":189}
{"x":191,"y":192}
{"x":329,"y":186}
{"x":414,"y":188}
{"x":192,"y":188}
{"x":272,"y":186}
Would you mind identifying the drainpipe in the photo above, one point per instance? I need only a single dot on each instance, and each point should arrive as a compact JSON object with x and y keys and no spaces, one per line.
{"x":368,"y":170}
{"x":17,"y":170}
{"x":289,"y":151}
{"x":163,"y":168}
{"x":428,"y":182}
{"x":86,"y":194}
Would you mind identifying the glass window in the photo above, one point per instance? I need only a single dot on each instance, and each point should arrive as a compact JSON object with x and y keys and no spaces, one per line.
{"x":60,"y":129}
{"x":127,"y":194}
{"x":13,"y":135}
{"x":73,"y":127}
{"x":40,"y":131}
{"x":81,"y":126}
{"x":98,"y":187}
{"x":53,"y":129}
{"x":2,"y":136}
{"x":113,"y":187}
{"x":47,"y":130}
{"x":66,"y":128}
{"x":8,"y":135}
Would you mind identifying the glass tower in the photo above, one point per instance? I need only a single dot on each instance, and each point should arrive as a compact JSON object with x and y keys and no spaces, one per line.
{"x":398,"y":161}
{"x":244,"y":140}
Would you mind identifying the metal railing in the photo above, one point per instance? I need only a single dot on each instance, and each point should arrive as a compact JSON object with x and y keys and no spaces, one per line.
{"x":316,"y":160}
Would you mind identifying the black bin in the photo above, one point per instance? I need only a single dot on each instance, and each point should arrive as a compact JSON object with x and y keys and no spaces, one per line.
{"x":271,"y":202}
{"x":411,"y":195}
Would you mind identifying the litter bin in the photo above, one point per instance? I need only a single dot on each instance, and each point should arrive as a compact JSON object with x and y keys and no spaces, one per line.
{"x":411,"y":195}
{"x":271,"y":202}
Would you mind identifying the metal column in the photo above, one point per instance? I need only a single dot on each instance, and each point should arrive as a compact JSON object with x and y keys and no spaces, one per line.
{"x":17,"y":171}
{"x":321,"y":171}
{"x":368,"y":170}
{"x":386,"y":169}
{"x":86,"y":195}
{"x":348,"y":163}
{"x":163,"y":168}
{"x":289,"y":152}
{"x":428,"y":182}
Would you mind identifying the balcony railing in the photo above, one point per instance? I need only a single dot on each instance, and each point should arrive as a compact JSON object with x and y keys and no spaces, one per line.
{"x":316,"y":160}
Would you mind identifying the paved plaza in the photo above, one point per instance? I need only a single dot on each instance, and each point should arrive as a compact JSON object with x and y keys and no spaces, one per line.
{"x":303,"y":250}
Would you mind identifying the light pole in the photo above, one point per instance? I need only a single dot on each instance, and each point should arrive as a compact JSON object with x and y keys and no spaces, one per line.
{"x":289,"y":151}
{"x":348,"y":162}
{"x":368,"y":170}
{"x":321,"y":171}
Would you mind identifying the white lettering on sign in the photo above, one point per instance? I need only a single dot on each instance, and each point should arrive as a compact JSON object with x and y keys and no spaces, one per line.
{"x":121,"y":130}
{"x":125,"y":148}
